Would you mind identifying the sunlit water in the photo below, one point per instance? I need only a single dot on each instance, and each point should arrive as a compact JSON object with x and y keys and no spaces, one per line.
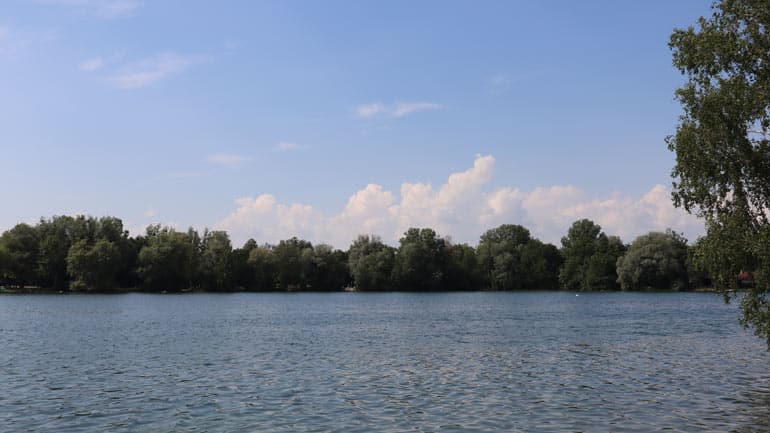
{"x":391,"y":362}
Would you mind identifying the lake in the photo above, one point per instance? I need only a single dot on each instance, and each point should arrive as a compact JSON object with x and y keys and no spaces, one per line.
{"x":388,"y":362}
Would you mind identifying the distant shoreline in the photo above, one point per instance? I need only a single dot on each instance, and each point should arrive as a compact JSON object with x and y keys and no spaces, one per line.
{"x":41,"y":291}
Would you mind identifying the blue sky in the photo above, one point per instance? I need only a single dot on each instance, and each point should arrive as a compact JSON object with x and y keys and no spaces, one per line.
{"x":328,"y":119}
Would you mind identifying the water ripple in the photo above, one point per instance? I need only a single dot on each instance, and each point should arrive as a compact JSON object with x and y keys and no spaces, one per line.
{"x":458,"y":362}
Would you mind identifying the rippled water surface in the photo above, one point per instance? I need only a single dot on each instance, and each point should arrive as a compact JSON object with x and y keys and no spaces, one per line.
{"x":391,"y":362}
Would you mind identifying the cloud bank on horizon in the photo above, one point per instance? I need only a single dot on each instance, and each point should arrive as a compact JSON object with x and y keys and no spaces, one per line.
{"x":462,"y":208}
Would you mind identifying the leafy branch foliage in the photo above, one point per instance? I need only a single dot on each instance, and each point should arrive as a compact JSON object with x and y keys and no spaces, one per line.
{"x":722,"y":146}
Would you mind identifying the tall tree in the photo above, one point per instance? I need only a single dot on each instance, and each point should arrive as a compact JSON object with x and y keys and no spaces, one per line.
{"x":421,"y":261}
{"x":167,"y":261}
{"x":511,"y":259}
{"x":655,"y":261}
{"x":56,"y":236}
{"x":371,"y":263}
{"x":264,"y":268}
{"x":329,"y":269}
{"x":499,"y":255}
{"x":589,"y":258}
{"x":722,"y":145}
{"x":242,"y":275}
{"x":22,"y":248}
{"x":94,"y":266}
{"x":602,"y":266}
{"x":463,"y":269}
{"x":215,"y":261}
{"x":294,"y":263}
{"x":4,"y":262}
{"x":543,"y":262}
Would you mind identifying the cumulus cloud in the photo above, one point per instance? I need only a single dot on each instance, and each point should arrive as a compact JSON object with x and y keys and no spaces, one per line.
{"x":398,"y":109}
{"x":265,"y":219}
{"x":463,"y":207}
{"x":102,"y":8}
{"x":151,"y":70}
{"x":226,"y":159}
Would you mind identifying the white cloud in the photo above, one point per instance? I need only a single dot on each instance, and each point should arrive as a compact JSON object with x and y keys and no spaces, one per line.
{"x":149,"y":71}
{"x":102,"y":8}
{"x":462,"y":208}
{"x":15,"y":42}
{"x":264,"y":219}
{"x":398,"y":109}
{"x":370,"y":110}
{"x":226,"y":159}
{"x":149,"y":213}
{"x":285,"y":146}
{"x":92,"y":64}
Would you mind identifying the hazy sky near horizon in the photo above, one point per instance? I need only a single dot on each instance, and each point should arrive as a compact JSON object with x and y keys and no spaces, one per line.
{"x":329,"y":119}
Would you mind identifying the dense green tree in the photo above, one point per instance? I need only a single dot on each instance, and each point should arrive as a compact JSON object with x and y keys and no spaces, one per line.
{"x":22,"y":246}
{"x":294,"y":263}
{"x":102,"y":257}
{"x":329,"y":269}
{"x":371,"y":263}
{"x":128,"y":276}
{"x":655,"y":261}
{"x":56,"y":236}
{"x":578,"y":247}
{"x":111,"y":229}
{"x":196,"y":243}
{"x":463,"y":269}
{"x":722,"y":145}
{"x":499,"y":254}
{"x":215,"y":269}
{"x":421,"y":261}
{"x":590,"y":258}
{"x":511,"y":259}
{"x":264,"y":268}
{"x":94,"y":266}
{"x":543,"y":262}
{"x":4,"y":263}
{"x":697,"y":272}
{"x":602,"y":267}
{"x":167,"y":261}
{"x":242,"y":273}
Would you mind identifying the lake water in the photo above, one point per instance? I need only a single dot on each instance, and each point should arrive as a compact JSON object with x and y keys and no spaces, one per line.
{"x":392,"y":362}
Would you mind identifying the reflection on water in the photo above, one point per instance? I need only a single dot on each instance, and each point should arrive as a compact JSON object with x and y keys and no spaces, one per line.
{"x":380,"y":362}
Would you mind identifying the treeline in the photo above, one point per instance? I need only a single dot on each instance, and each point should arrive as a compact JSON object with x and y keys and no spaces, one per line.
{"x":97,"y":254}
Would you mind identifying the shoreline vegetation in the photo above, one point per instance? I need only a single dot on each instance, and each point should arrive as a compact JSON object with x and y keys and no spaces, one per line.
{"x":124,"y":291}
{"x":66,"y":254}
